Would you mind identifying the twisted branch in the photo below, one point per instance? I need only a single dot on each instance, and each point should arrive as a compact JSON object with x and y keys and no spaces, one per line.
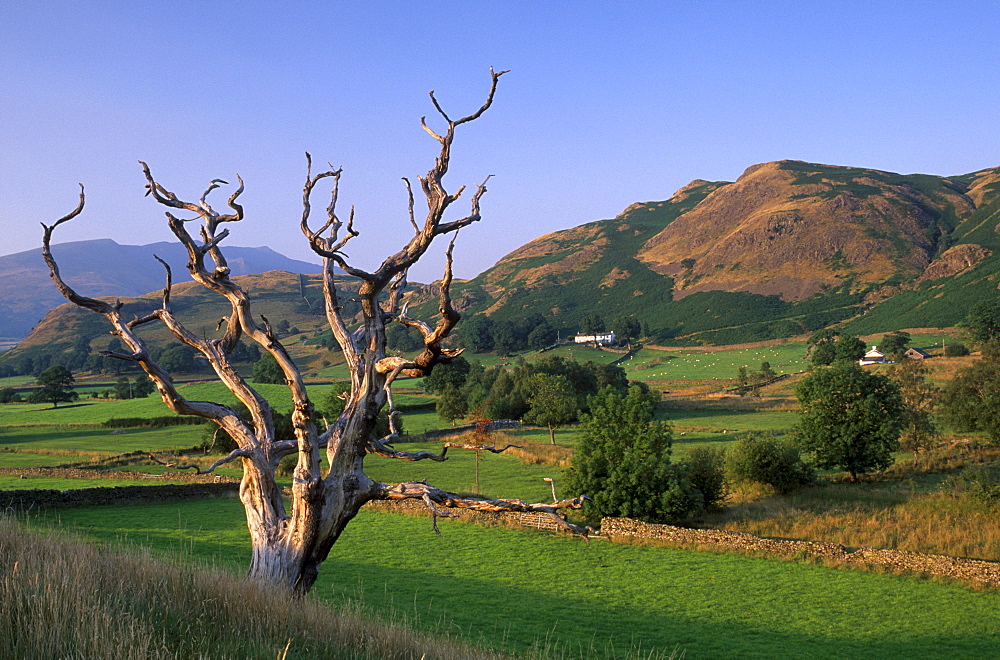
{"x":232,"y":456}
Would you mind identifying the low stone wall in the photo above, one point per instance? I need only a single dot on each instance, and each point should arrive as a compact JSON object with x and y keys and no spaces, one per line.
{"x":22,"y":500}
{"x":81,"y":473}
{"x":986,"y":572}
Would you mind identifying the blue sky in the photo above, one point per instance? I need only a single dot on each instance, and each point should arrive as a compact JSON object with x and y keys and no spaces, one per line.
{"x":607,"y":103}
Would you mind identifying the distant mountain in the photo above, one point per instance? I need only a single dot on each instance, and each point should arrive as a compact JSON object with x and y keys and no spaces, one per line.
{"x":105,"y":268}
{"x":788,"y":247}
{"x":67,"y":333}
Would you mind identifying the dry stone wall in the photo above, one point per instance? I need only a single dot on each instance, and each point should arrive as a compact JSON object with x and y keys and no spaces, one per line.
{"x":81,"y":473}
{"x":21,"y":500}
{"x":986,"y":572}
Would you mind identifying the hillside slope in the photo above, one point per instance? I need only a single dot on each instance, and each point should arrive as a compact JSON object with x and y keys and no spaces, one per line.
{"x":105,"y":268}
{"x":788,"y":247}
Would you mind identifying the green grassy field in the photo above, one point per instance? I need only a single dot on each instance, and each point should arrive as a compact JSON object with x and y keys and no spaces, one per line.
{"x":517,"y":589}
{"x":500,"y":475}
{"x":84,"y":441}
{"x":696,"y":364}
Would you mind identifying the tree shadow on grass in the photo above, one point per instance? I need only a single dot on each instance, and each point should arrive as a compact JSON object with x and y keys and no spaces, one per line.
{"x":55,"y":409}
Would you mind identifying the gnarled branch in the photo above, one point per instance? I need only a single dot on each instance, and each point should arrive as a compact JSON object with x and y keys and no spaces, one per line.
{"x":232,"y":456}
{"x":427,"y":493}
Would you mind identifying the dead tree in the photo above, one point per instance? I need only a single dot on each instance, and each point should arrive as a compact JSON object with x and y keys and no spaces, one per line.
{"x":289,"y":546}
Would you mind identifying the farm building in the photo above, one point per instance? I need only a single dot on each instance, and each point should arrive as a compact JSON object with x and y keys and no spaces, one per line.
{"x":873,"y":356}
{"x":916,"y":354}
{"x":602,"y":339}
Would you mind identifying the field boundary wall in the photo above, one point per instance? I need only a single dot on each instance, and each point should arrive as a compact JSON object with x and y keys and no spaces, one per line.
{"x":986,"y":572}
{"x":25,"y":500}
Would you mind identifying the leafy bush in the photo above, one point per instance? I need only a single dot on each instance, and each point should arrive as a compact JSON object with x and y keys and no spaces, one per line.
{"x":9,"y":395}
{"x":266,"y":370}
{"x":971,"y":400}
{"x":623,"y":462}
{"x":706,"y":469}
{"x":978,"y":482}
{"x":760,"y":458}
{"x":956,"y":349}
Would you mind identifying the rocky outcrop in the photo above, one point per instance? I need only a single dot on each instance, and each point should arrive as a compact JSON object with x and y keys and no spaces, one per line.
{"x":954,"y":261}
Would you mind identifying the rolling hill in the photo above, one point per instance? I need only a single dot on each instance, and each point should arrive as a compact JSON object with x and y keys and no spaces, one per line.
{"x":105,"y":268}
{"x":788,"y":247}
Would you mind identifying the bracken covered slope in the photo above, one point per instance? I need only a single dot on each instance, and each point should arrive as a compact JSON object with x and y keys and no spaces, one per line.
{"x":789,"y":246}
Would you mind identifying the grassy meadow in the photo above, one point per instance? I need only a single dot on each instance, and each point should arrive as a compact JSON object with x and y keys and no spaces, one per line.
{"x":519,"y":592}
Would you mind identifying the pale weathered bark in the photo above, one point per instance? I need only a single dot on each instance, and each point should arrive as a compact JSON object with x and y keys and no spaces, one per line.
{"x":288,"y":547}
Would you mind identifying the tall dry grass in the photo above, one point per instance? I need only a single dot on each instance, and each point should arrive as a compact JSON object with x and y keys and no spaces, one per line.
{"x":63,"y":598}
{"x":933,"y":522}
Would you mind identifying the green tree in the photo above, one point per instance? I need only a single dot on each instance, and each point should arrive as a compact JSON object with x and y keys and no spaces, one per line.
{"x":266,"y":370}
{"x":970,"y":403}
{"x":476,"y":333}
{"x":955,"y":349}
{"x":509,"y":337}
{"x":451,"y":404}
{"x":848,"y":349}
{"x":55,"y":384}
{"x":553,"y":403}
{"x":592,"y":324}
{"x":9,"y":395}
{"x":626,"y":328}
{"x":983,"y":321}
{"x":142,"y":387}
{"x":844,"y":348}
{"x":623,"y":461}
{"x":818,"y":339}
{"x":824,"y":353}
{"x":448,"y":373}
{"x":176,"y":358}
{"x":399,"y":337}
{"x":607,"y":374}
{"x":851,"y":419}
{"x":750,"y":382}
{"x":766,"y":372}
{"x":335,"y":400}
{"x":919,"y":398}
{"x":895,"y":344}
{"x":706,"y":470}
{"x":508,"y":399}
{"x":122,"y":389}
{"x":244,"y":352}
{"x":542,"y":336}
{"x":763,"y":459}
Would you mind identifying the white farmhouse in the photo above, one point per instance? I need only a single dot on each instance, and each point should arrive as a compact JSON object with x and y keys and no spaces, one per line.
{"x":873,"y":356}
{"x":602,"y":339}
